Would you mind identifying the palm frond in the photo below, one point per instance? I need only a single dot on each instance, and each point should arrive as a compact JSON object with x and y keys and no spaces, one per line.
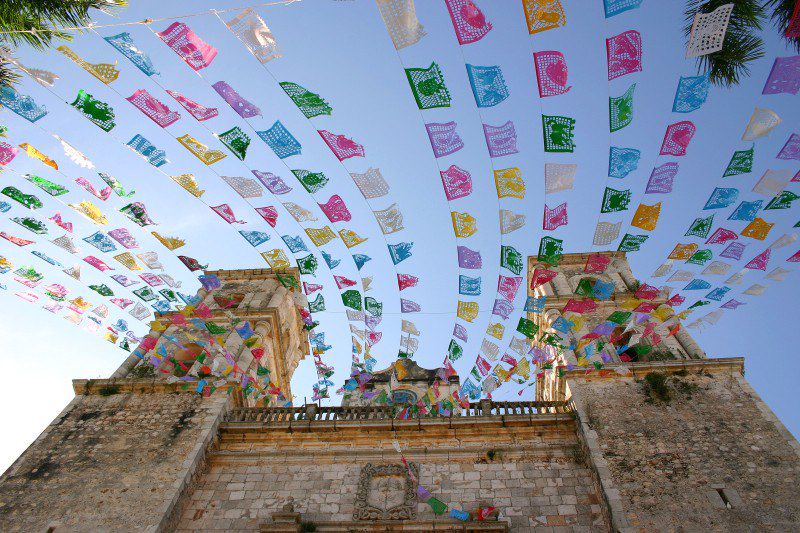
{"x":782,"y":11}
{"x":38,"y":21}
{"x":742,"y":43}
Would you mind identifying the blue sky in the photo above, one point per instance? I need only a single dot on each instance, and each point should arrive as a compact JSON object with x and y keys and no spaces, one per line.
{"x":340,"y":50}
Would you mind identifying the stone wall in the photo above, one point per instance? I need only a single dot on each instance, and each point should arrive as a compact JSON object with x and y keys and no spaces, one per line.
{"x":536,"y":473}
{"x":117,"y":458}
{"x":712,"y":457}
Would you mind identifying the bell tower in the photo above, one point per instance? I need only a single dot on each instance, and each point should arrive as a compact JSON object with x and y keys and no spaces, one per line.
{"x":569,"y":302}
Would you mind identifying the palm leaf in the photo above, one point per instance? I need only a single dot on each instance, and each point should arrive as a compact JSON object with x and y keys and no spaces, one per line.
{"x":782,"y":11}
{"x":741,"y":45}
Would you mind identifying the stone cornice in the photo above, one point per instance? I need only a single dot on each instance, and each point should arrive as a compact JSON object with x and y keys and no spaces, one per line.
{"x":110,"y":387}
{"x":727,"y":365}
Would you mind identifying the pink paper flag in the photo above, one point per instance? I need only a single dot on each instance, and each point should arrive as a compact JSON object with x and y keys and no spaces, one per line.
{"x":721,"y":236}
{"x":153,"y":108}
{"x":624,"y":53}
{"x":336,"y":210}
{"x":597,"y":264}
{"x":760,"y":261}
{"x":269,"y":213}
{"x":553,"y":218}
{"x":310,"y":288}
{"x":551,"y":73}
{"x":469,"y":21}
{"x":7,"y":153}
{"x":196,"y":53}
{"x":342,"y":147}
{"x":507,"y":287}
{"x":97,"y":263}
{"x":225,"y":211}
{"x":677,"y":138}
{"x":342,"y":281}
{"x":405,"y":281}
{"x":457,"y":182}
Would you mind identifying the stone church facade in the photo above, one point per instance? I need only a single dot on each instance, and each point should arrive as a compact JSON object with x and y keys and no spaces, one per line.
{"x":666,"y":443}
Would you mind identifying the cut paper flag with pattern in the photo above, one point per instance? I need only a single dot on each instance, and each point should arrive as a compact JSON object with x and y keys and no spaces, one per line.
{"x":105,"y":72}
{"x":126,"y":46}
{"x":758,"y":229}
{"x":558,"y":133}
{"x":708,"y":31}
{"x":501,"y":140}
{"x":100,"y":113}
{"x":784,"y":76}
{"x":390,"y":219}
{"x":273,"y":183}
{"x":428,"y":87}
{"x":310,"y":104}
{"x":200,"y":150}
{"x":661,"y":179}
{"x":632,"y":243}
{"x":551,"y":73}
{"x":336,"y":210}
{"x":677,"y":138}
{"x":444,"y":138}
{"x":21,"y":104}
{"x":464,"y":224}
{"x":469,"y":22}
{"x":722,"y":197}
{"x":746,"y":210}
{"x":238,"y":103}
{"x":762,"y":121}
{"x":148,"y":151}
{"x":371,"y":183}
{"x":469,"y":259}
{"x":198,"y":111}
{"x":614,"y":200}
{"x":313,"y":182}
{"x":559,"y":177}
{"x":691,"y":94}
{"x":510,"y":221}
{"x":554,"y":218}
{"x":153,"y":108}
{"x":782,"y":201}
{"x":772,"y":182}
{"x":488,"y":85}
{"x":36,"y":154}
{"x":741,"y":163}
{"x":280,"y":140}
{"x":245,"y":187}
{"x":194,"y":51}
{"x":188,"y":182}
{"x":509,"y":183}
{"x":624,"y":54}
{"x":606,"y":232}
{"x":790,"y":150}
{"x":543,"y":15}
{"x":615,"y":7}
{"x":400,"y":18}
{"x":236,"y":140}
{"x":251,"y":30}
{"x":646,"y":216}
{"x":620,"y":109}
{"x":457,"y":182}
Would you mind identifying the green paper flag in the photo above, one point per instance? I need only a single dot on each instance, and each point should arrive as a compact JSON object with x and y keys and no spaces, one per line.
{"x":428,"y":87}
{"x":317,"y":305}
{"x":782,"y":201}
{"x":741,"y":163}
{"x":98,"y":112}
{"x":700,"y":227}
{"x":632,"y":243}
{"x":700,"y":257}
{"x":619,"y":317}
{"x":308,"y":265}
{"x":437,"y":506}
{"x":312,"y":181}
{"x":550,"y":250}
{"x":511,"y":259}
{"x":289,"y":282}
{"x":585,"y":288}
{"x":28,"y":200}
{"x":558,"y":132}
{"x":236,"y":140}
{"x":102,"y":289}
{"x":614,"y":200}
{"x":454,"y":351}
{"x":527,"y":328}
{"x":215,"y":329}
{"x":311,"y":104}
{"x":620,"y":109}
{"x":373,"y":306}
{"x":53,"y":189}
{"x":352,"y":299}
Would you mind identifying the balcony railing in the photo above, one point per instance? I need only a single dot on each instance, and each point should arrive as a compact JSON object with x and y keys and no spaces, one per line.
{"x":313,"y":412}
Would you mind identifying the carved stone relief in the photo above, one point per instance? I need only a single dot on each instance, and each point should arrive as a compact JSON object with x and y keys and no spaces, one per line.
{"x":386,"y":492}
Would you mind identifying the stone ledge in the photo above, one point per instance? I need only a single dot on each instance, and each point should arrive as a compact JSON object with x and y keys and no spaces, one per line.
{"x":725,"y":365}
{"x":111,"y":387}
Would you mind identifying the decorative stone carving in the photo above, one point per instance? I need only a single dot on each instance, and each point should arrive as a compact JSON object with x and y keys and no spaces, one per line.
{"x":386,"y":492}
